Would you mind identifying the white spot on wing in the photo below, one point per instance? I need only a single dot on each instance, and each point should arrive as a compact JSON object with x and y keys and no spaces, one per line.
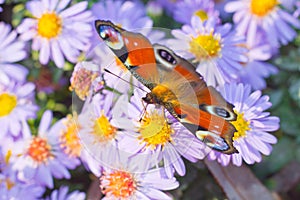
{"x":126,"y":41}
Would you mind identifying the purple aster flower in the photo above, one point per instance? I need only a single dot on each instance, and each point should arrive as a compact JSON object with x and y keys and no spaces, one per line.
{"x":168,"y":5}
{"x":218,"y":50}
{"x":256,"y":69}
{"x":253,"y":124}
{"x":10,"y":186}
{"x":57,"y":32}
{"x":40,"y":157}
{"x":219,"y":5}
{"x":252,"y":16}
{"x":204,"y":9}
{"x":1,"y":2}
{"x":62,"y":194}
{"x":98,"y":132}
{"x":11,"y":51}
{"x":155,"y":137}
{"x":288,"y":4}
{"x":154,"y":9}
{"x":70,"y":142}
{"x":297,"y":11}
{"x":127,"y":14}
{"x":17,"y":106}
{"x":128,"y":179}
{"x":65,"y":131}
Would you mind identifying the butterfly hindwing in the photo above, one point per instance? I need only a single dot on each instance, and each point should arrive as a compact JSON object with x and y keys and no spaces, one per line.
{"x":213,"y":130}
{"x":213,"y":113}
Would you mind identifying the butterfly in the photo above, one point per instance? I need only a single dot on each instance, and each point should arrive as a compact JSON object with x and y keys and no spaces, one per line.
{"x":174,"y":84}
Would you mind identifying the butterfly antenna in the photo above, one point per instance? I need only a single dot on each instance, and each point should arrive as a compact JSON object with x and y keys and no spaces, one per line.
{"x":144,"y":111}
{"x":106,"y":70}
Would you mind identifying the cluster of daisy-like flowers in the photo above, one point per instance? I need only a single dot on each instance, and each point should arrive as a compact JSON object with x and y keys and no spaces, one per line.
{"x":135,"y":150}
{"x":31,"y":156}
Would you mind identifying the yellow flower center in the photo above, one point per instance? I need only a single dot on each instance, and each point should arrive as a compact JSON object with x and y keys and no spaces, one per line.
{"x":262,"y":7}
{"x":49,"y":25}
{"x":8,"y":156}
{"x":118,"y":184}
{"x":201,"y":14}
{"x":69,"y":139}
{"x":205,"y":46}
{"x":7,"y":103}
{"x":9,"y":184}
{"x":241,"y":125}
{"x":103,"y":130}
{"x":155,"y":130}
{"x":39,"y":150}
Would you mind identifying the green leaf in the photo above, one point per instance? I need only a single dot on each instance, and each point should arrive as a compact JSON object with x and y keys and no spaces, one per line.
{"x":57,"y":75}
{"x":280,"y":79}
{"x":289,"y":62}
{"x":275,"y":96}
{"x":294,"y":91}
{"x":288,"y":122}
{"x":297,"y":152}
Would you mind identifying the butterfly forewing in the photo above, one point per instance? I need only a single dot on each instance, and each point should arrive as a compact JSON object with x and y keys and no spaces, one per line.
{"x":133,"y":49}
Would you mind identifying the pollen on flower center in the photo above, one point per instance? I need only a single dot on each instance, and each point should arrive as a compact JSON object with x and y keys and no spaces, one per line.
{"x":82,"y":81}
{"x":155,"y":130}
{"x":69,"y":139}
{"x":118,"y":184}
{"x":102,"y":129}
{"x":39,"y":150}
{"x":7,"y":103}
{"x":201,"y":14}
{"x":205,"y":46}
{"x":262,"y":7}
{"x":241,"y":125}
{"x":49,"y":25}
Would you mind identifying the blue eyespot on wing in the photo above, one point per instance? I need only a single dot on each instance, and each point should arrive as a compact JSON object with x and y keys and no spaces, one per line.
{"x":110,"y":34}
{"x":212,"y":140}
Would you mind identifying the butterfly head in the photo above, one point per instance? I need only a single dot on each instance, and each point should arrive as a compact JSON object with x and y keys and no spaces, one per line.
{"x":110,"y":33}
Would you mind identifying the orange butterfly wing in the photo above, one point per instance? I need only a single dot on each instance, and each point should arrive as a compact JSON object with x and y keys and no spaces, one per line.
{"x":133,"y":49}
